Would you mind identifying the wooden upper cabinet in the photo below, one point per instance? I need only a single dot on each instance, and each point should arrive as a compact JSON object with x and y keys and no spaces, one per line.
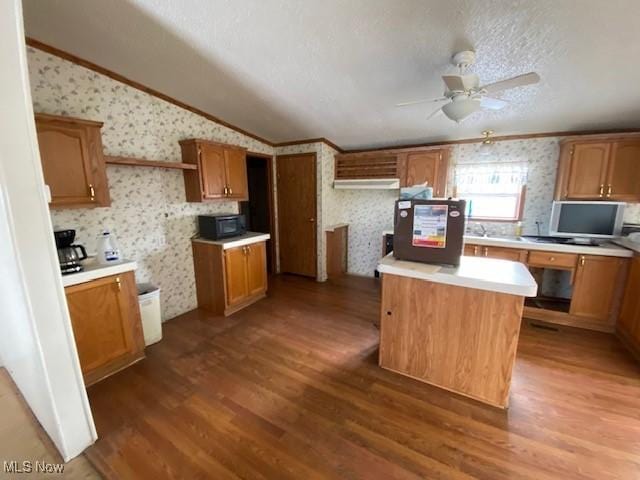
{"x":106,"y":324}
{"x":430,"y":166}
{"x":72,"y":161}
{"x":596,"y":289}
{"x":212,"y":171}
{"x":606,"y":169}
{"x":236,"y":173}
{"x":221,"y":173}
{"x":623,"y":173}
{"x":588,"y":170}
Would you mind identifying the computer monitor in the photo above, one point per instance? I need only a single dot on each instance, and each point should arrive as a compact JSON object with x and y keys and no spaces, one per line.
{"x":586,"y":219}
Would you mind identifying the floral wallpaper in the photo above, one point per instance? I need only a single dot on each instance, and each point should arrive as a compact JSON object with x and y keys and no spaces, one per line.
{"x":149,"y":215}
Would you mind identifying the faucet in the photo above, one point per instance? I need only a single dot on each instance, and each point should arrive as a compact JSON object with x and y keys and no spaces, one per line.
{"x":483,"y":230}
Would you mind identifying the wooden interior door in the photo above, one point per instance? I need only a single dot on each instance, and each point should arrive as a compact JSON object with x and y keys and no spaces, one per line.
{"x":66,"y":163}
{"x":236,"y":173}
{"x":256,"y":268}
{"x":235,"y":269}
{"x":101,"y":320}
{"x":422,"y":167}
{"x":212,"y":170}
{"x":595,"y":286}
{"x":623,"y":176}
{"x":296,"y":180}
{"x":588,"y":170}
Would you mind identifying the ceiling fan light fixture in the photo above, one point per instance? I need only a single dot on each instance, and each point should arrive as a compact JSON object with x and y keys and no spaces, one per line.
{"x":460,"y":108}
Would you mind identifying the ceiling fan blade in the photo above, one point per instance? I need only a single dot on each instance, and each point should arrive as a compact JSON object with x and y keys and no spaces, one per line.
{"x":434,"y":114}
{"x":416,"y":102}
{"x":461,"y":83}
{"x":492,"y":103}
{"x":519,"y":81}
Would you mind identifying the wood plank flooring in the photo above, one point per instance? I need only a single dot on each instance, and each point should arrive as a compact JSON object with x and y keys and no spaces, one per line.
{"x":290,"y":389}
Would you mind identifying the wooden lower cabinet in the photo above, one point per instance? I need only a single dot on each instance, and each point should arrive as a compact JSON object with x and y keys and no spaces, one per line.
{"x":628,"y":326}
{"x":228,"y":280}
{"x":597,"y":288}
{"x":106,"y":325}
{"x":597,"y":284}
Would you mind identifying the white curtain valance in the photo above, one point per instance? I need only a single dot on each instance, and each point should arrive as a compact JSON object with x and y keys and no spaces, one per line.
{"x":505,"y":177}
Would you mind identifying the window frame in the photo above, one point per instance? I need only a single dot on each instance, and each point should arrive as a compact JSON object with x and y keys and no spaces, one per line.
{"x":519,"y":207}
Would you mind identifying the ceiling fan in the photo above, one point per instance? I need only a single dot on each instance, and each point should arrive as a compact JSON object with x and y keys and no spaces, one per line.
{"x":465,"y":95}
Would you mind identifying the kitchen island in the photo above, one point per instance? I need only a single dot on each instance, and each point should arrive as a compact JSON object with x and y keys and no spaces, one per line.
{"x":454,"y":327}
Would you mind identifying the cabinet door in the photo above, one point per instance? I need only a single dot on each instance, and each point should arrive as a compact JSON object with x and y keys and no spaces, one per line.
{"x":630,"y":313}
{"x":212,"y":170}
{"x":623,"y":176}
{"x":106,"y":323}
{"x":256,"y":268}
{"x":236,"y":174}
{"x":588,"y":170}
{"x":513,"y":254}
{"x":595,"y":287}
{"x":422,"y":167}
{"x":235,"y":269}
{"x":66,"y":163}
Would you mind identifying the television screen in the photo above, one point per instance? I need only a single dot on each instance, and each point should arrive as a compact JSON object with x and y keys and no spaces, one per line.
{"x":587,"y":218}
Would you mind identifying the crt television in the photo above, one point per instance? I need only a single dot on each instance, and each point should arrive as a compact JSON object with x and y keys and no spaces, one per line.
{"x":586,"y":219}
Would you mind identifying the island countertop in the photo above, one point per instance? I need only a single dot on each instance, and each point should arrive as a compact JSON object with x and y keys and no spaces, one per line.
{"x":238,"y":241}
{"x":482,"y":273}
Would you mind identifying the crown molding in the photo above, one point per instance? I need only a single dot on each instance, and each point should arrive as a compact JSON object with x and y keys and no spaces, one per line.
{"x":32,"y":42}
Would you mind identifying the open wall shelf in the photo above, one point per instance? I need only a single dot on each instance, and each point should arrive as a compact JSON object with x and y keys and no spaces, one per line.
{"x":141,"y":162}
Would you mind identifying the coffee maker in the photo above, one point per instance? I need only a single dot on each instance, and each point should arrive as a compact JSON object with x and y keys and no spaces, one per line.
{"x":69,"y":255}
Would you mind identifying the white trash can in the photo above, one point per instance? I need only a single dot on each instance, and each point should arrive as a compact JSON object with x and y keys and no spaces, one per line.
{"x":149,"y":300}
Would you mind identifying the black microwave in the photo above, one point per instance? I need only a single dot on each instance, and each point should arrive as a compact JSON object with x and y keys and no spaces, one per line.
{"x":216,"y":227}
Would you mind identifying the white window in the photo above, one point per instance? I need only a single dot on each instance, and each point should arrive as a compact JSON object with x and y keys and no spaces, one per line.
{"x":494,"y":191}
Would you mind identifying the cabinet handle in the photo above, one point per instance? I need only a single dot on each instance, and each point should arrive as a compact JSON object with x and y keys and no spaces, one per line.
{"x":581,"y":260}
{"x":475,"y":251}
{"x":119,"y":284}
{"x":601,"y":190}
{"x":226,"y":191}
{"x":552,"y":259}
{"x":92,"y":192}
{"x":609,"y":189}
{"x":486,"y":251}
{"x":230,"y":191}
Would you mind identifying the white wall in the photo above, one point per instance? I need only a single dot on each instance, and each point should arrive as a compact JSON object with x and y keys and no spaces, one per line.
{"x":36,"y":338}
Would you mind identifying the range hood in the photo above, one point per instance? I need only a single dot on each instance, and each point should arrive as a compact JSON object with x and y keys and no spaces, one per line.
{"x":367,"y":184}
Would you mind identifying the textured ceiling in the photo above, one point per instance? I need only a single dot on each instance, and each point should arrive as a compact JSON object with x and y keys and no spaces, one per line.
{"x":292,"y":69}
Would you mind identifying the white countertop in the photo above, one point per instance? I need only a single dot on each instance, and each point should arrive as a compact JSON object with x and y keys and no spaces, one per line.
{"x":626,"y":243}
{"x":239,"y":241}
{"x":606,"y":249}
{"x":482,"y":273}
{"x":93,"y":271}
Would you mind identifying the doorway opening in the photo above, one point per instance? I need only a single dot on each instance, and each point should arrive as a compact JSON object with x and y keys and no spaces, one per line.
{"x":258,"y":210}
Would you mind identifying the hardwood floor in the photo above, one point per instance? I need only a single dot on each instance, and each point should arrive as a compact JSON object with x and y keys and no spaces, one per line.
{"x":290,"y":389}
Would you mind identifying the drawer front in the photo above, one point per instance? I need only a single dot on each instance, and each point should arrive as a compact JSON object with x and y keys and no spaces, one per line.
{"x":553,"y":259}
